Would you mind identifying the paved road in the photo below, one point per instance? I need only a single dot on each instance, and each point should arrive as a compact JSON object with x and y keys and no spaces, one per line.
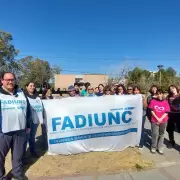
{"x":168,"y":173}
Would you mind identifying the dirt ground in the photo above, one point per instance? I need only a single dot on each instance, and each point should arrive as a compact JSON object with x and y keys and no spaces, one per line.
{"x":83,"y":164}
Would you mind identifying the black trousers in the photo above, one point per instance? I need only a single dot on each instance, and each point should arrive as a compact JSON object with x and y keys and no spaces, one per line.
{"x":14,"y":141}
{"x":173,"y":124}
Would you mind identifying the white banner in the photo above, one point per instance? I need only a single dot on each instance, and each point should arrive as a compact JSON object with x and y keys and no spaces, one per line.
{"x":84,"y":124}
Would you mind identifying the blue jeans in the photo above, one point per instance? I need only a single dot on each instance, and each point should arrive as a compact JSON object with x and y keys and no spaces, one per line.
{"x":142,"y":131}
{"x":31,"y":138}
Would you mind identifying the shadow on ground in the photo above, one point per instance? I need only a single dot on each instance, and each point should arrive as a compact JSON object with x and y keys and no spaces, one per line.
{"x":41,"y":149}
{"x":147,"y":140}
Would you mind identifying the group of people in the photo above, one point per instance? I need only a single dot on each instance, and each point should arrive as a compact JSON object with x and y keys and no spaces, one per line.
{"x":21,"y":111}
{"x":163,"y":111}
{"x":89,"y":91}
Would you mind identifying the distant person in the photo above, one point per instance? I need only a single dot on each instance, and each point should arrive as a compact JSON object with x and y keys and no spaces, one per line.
{"x":46,"y":86}
{"x":107,"y":90}
{"x":101,"y":90}
{"x":96,"y":90}
{"x":72,"y":91}
{"x":174,"y":114}
{"x":137,"y":90}
{"x":159,"y":110}
{"x":57,"y":91}
{"x":15,"y":122}
{"x":90,"y":92}
{"x":120,"y":90}
{"x":76,"y":87}
{"x":47,"y":94}
{"x":130,"y":90}
{"x":113,"y":90}
{"x":84,"y":91}
{"x":152,"y":96}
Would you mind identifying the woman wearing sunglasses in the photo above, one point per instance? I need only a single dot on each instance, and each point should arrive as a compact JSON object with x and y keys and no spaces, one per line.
{"x":130,"y":90}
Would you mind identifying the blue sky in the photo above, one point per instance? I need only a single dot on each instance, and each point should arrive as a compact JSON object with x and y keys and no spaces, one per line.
{"x":95,"y":36}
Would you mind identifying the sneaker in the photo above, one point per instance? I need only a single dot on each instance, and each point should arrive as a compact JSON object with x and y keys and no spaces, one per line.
{"x":160,"y":151}
{"x":20,"y":178}
{"x":153,"y":150}
{"x":171,"y":145}
{"x":140,"y":147}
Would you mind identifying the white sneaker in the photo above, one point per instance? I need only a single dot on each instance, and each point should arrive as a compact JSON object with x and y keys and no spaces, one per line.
{"x":153,"y":150}
{"x":160,"y":151}
{"x":140,"y":148}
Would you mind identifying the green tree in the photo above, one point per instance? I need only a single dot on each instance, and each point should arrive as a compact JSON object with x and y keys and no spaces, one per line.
{"x":142,"y":78}
{"x":7,"y":53}
{"x":36,"y":70}
{"x":168,"y":77}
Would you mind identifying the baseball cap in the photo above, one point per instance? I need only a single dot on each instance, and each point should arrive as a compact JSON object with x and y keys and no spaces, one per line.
{"x":71,"y":88}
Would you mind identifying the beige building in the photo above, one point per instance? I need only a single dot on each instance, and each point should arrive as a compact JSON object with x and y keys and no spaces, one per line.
{"x":62,"y":81}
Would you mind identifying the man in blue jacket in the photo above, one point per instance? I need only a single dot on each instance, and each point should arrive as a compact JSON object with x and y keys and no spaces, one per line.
{"x":14,"y":124}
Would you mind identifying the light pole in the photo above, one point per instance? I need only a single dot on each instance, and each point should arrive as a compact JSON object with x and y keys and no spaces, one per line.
{"x":160,"y":67}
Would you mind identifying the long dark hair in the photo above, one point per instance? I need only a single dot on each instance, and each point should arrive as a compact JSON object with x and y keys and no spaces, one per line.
{"x":107,"y":88}
{"x":136,"y":87}
{"x":44,"y":94}
{"x":169,"y":89}
{"x":27,"y":84}
{"x":123,"y":87}
{"x":150,"y":90}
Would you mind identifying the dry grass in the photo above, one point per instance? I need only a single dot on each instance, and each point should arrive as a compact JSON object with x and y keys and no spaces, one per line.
{"x":88,"y":163}
{"x":83,"y":164}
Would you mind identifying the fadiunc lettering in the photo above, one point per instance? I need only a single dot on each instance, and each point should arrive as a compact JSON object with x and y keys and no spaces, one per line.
{"x":98,"y":120}
{"x":13,"y":101}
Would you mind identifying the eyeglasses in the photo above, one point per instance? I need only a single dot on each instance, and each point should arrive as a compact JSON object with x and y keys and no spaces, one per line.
{"x":9,"y":80}
{"x":129,"y":89}
{"x":120,"y":89}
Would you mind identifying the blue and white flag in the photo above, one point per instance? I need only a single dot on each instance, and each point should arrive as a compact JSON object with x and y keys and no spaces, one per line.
{"x":77,"y":125}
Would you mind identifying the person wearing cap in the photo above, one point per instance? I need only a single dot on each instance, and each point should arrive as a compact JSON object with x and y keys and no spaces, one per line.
{"x":15,"y":120}
{"x":90,"y":91}
{"x":72,"y":91}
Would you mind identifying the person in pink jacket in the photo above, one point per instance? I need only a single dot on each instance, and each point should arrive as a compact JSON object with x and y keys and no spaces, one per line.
{"x":159,"y":109}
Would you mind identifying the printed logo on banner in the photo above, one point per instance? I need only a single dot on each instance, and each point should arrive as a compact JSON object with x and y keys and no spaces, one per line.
{"x":117,"y":116}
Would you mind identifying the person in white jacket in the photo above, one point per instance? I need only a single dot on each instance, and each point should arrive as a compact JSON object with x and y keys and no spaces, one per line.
{"x":15,"y":120}
{"x":37,"y":113}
